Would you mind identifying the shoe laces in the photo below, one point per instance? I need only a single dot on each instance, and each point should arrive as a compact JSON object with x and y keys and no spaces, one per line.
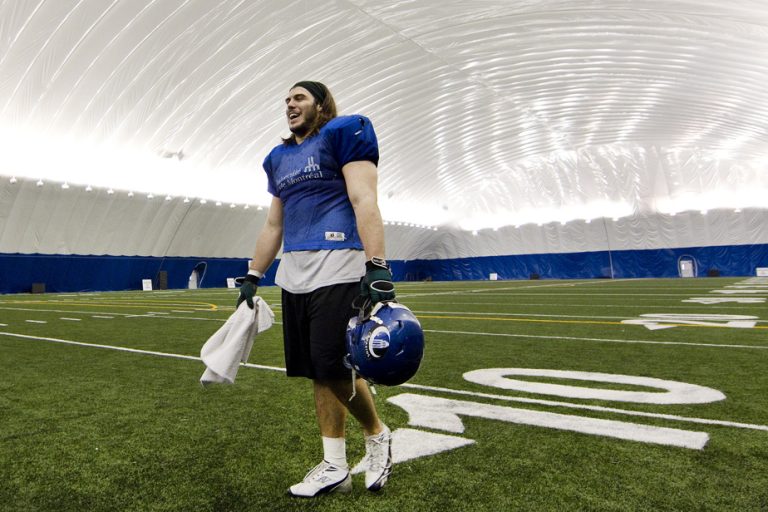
{"x":377,"y":449}
{"x":319,"y":473}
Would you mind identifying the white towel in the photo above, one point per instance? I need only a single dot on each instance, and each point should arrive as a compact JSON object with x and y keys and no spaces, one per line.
{"x":231,"y":344}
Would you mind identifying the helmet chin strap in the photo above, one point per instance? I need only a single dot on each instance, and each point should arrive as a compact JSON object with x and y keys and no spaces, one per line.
{"x":364,"y":313}
{"x":354,"y":386}
{"x":363,"y":307}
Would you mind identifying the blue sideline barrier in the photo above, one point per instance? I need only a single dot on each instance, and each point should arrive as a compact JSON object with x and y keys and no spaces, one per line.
{"x":76,"y":273}
{"x":67,"y":273}
{"x":733,"y":260}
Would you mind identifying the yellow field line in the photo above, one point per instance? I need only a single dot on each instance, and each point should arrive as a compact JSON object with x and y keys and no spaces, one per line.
{"x":214,"y":307}
{"x":537,"y":320}
{"x":177,"y":305}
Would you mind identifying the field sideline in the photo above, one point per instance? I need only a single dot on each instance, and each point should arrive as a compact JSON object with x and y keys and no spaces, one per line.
{"x":615,"y":395}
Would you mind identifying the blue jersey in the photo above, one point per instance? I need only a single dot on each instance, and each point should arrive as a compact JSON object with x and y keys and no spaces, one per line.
{"x":307,"y":177}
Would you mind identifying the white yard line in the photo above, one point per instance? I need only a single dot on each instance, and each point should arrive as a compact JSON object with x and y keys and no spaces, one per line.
{"x":704,"y":421}
{"x":492,"y":289}
{"x":36,"y":321}
{"x":524,"y":315}
{"x":125,"y":349}
{"x":494,"y":313}
{"x":616,"y":306}
{"x":585,"y":294}
{"x":125,"y":315}
{"x":471,"y":333}
{"x":166,"y":317}
{"x":605,"y":340}
{"x":552,"y":403}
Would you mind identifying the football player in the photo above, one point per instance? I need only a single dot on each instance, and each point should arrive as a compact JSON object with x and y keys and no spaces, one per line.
{"x":324,"y":212}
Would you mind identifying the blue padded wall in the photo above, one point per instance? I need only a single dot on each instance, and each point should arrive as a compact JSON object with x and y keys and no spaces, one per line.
{"x":69,"y":273}
{"x":732,"y":260}
{"x":101,"y":273}
{"x":547,"y":266}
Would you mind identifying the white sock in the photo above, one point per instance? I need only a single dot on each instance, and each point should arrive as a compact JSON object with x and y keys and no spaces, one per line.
{"x":335,"y":451}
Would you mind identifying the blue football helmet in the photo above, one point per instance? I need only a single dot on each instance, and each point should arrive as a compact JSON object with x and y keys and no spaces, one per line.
{"x":387,"y":347}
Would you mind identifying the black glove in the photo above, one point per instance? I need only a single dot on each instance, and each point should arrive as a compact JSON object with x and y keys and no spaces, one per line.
{"x":376,"y":286}
{"x":248,"y":286}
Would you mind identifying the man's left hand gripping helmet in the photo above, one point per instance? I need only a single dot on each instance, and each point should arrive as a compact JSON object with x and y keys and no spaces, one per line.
{"x":387,"y":347}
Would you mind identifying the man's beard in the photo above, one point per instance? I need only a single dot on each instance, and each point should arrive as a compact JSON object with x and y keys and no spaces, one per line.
{"x":303,"y":129}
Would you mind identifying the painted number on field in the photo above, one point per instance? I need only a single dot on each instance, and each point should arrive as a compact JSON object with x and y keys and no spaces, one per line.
{"x":656,"y":321}
{"x":673,"y":392}
{"x":724,"y":300}
{"x":445,"y":414}
{"x":742,"y":291}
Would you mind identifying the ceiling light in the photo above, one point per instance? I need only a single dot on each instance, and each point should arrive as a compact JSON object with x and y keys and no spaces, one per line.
{"x":13,"y":180}
{"x":65,"y":185}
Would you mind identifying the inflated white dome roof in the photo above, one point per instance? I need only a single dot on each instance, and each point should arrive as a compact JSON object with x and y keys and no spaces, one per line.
{"x":489,"y":113}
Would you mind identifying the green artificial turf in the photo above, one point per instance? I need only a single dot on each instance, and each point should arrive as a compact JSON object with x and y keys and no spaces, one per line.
{"x":96,"y":429}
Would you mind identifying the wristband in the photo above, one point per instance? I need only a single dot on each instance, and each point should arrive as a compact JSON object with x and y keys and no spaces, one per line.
{"x":256,"y":273}
{"x":376,"y":262}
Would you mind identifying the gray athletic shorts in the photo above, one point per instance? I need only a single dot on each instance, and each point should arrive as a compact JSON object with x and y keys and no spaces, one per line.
{"x":314,"y":329}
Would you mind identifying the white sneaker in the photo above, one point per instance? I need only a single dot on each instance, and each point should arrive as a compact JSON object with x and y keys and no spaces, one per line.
{"x":322,"y":479}
{"x":378,"y":459}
